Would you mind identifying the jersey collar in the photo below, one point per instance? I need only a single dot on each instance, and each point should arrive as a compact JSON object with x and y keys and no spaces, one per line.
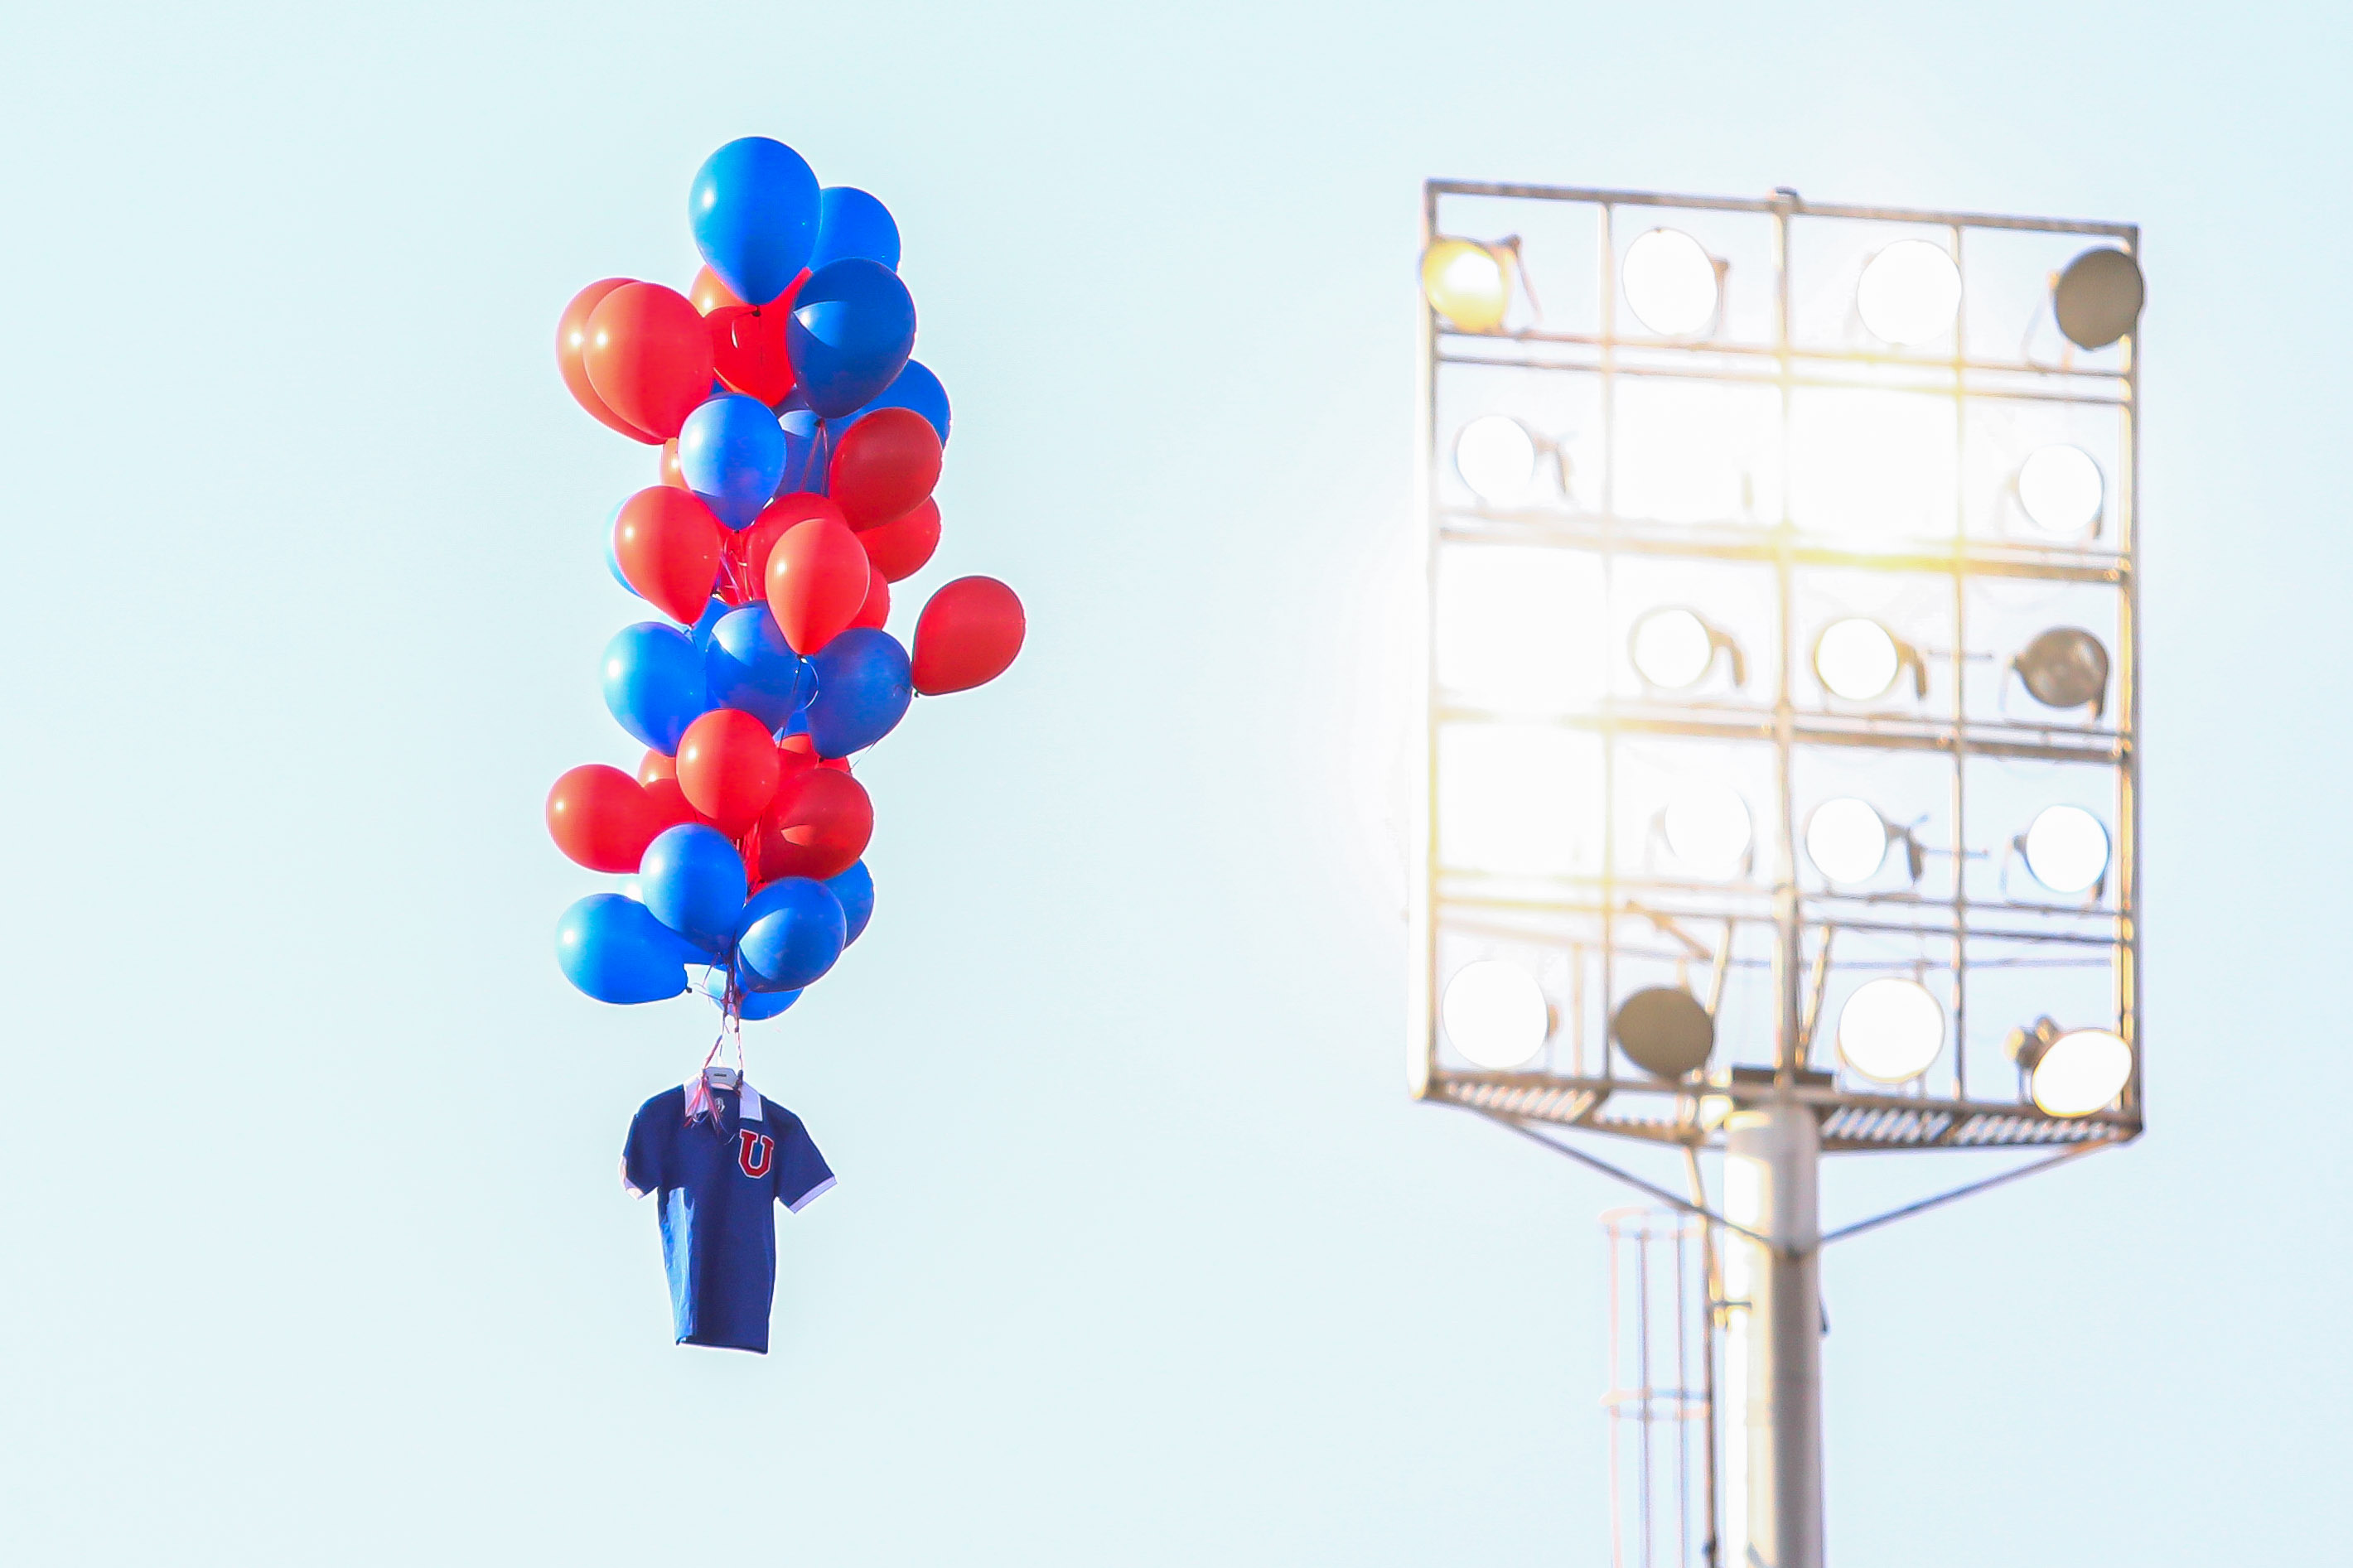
{"x":700,"y":1102}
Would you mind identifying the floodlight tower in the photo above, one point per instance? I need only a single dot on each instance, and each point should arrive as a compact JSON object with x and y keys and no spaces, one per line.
{"x":1781,"y":720}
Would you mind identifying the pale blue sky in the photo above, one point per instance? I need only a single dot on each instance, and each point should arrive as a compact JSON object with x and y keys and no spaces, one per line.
{"x":313,"y":1251}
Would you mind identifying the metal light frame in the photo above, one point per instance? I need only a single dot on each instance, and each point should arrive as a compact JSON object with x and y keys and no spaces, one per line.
{"x":1617,"y":915}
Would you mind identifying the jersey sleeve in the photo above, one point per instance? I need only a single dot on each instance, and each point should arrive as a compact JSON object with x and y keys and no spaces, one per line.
{"x":646,"y":1157}
{"x":802,"y":1174}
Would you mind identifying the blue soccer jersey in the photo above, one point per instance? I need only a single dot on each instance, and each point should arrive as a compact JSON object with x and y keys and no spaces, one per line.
{"x":718,"y":1158}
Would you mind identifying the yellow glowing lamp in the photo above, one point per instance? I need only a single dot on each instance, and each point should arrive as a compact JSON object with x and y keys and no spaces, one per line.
{"x":1465,"y":282}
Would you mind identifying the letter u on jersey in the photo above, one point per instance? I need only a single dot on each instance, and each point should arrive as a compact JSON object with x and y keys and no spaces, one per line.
{"x":753,"y":1153}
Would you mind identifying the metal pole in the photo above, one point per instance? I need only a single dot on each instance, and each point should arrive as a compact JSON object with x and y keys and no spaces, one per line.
{"x":1773,"y":1354}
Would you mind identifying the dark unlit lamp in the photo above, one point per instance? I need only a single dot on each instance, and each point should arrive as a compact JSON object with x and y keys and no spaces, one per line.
{"x":2066,"y":667}
{"x":2098,"y":298}
{"x":2071,"y":1072}
{"x":1665,"y":1031}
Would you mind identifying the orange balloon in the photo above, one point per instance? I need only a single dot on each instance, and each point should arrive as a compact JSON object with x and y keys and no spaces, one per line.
{"x":709,"y":294}
{"x":571,"y":338}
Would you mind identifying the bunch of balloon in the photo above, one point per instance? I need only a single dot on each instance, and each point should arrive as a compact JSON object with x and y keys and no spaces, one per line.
{"x":800,"y":446}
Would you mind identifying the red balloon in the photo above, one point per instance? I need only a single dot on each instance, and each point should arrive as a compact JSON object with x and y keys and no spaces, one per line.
{"x":647,"y":355}
{"x":601,"y":819}
{"x":708,"y":294}
{"x":876,"y":610}
{"x":759,"y":540}
{"x":899,"y":548}
{"x":727,"y":768}
{"x":968,"y":635}
{"x":795,"y":753}
{"x":672,"y":474}
{"x":884,"y":467}
{"x":571,"y":338}
{"x":667,"y":541}
{"x":747,"y":344}
{"x":818,"y":824}
{"x":839,"y":764}
{"x":669,"y":804}
{"x":654,"y":766}
{"x":817,"y":582}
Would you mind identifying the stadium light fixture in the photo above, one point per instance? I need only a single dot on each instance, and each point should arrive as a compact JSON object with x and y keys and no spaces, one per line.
{"x":1497,"y":456}
{"x":1847,"y":840}
{"x":2071,"y":1072}
{"x":1910,"y":293}
{"x":2066,"y":667}
{"x":1680,"y":843}
{"x":1673,"y":285}
{"x":1496,"y":1015}
{"x":1674,"y":648}
{"x":2061,"y":490}
{"x":2066,"y":848}
{"x":2097,"y":298}
{"x":1859,"y":660}
{"x":1891,"y":1030}
{"x":1665,"y":1031}
{"x":1709,"y":832}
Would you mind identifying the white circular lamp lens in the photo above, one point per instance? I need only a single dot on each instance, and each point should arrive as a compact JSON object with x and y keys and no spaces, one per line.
{"x":2067,"y":849}
{"x":1497,"y":458}
{"x":1846,"y":839}
{"x":1495,"y":1013}
{"x":1670,"y":283}
{"x":2081,"y":1072}
{"x":1673,"y":648}
{"x":1857,"y":659}
{"x":1891,"y":1030}
{"x":2060,"y":490}
{"x":1910,"y":293}
{"x":1708,"y":831}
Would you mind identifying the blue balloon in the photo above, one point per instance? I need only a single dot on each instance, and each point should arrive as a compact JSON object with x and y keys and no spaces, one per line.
{"x":851,"y":223}
{"x":755,"y":1005}
{"x":853,"y":327}
{"x":613,"y":949}
{"x":700,"y":633}
{"x":862,"y":690}
{"x":731,"y":452}
{"x":753,"y":209}
{"x":855,"y":890}
{"x":653,"y":683}
{"x":792,"y":930}
{"x":916,"y":388}
{"x":613,"y":560}
{"x":693,"y":882}
{"x":748,"y":665}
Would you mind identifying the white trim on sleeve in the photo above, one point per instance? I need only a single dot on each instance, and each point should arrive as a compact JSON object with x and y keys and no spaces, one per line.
{"x":811,"y":1196}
